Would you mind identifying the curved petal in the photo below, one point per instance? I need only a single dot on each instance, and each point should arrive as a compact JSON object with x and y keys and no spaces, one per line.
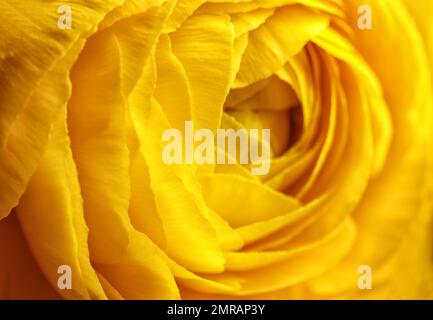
{"x":60,"y":237}
{"x":20,"y":276}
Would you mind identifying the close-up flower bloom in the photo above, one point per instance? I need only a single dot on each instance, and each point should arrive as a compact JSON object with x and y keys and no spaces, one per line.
{"x":90,"y":208}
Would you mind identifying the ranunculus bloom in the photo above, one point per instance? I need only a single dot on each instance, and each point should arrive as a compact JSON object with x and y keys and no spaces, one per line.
{"x":83,"y":184}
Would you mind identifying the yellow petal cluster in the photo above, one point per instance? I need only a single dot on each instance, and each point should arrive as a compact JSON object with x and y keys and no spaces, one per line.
{"x":83,"y":182}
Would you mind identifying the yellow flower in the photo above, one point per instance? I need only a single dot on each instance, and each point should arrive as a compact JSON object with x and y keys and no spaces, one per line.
{"x":83,"y":183}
